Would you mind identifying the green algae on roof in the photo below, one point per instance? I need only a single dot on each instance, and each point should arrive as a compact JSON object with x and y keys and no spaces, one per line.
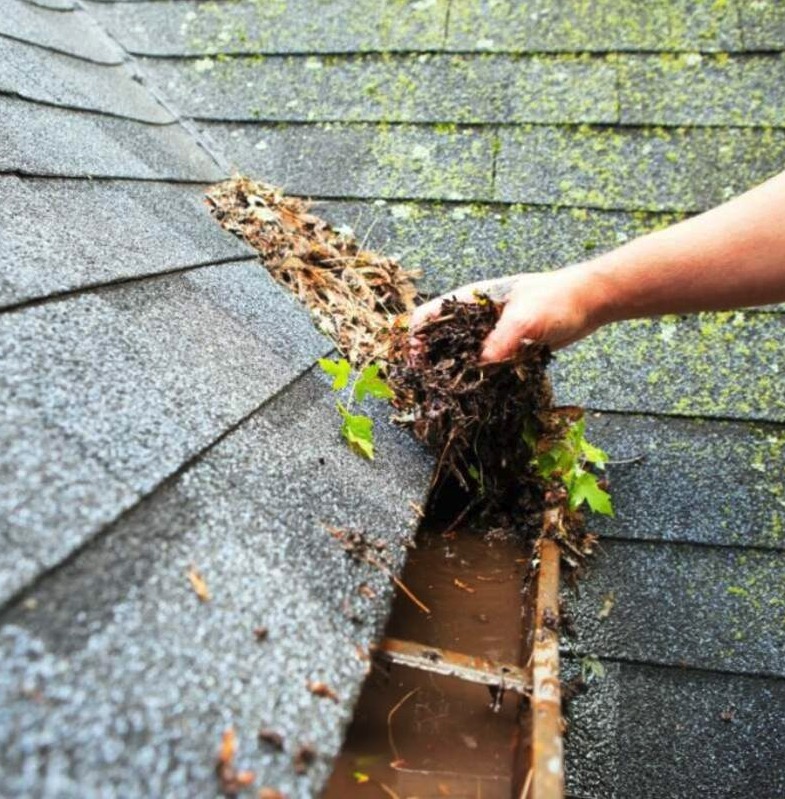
{"x":360,"y":160}
{"x":657,"y":169}
{"x":695,"y":89}
{"x":459,"y":243}
{"x":413,"y":88}
{"x":713,"y":365}
{"x":762,"y":24}
{"x":593,"y":25}
{"x":310,"y":26}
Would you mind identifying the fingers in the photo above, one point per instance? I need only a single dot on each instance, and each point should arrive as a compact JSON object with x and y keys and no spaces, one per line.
{"x":505,"y":338}
{"x":422,"y":313}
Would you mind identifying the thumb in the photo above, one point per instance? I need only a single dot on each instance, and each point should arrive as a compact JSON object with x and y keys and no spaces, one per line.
{"x":505,"y":338}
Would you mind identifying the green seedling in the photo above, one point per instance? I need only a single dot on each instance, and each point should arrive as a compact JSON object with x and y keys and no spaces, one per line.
{"x":568,"y":461}
{"x":357,"y":429}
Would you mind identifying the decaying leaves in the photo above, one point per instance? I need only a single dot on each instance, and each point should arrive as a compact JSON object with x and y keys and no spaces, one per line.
{"x":198,"y":584}
{"x":230,"y":780}
{"x":355,"y":295}
{"x":319,"y":688}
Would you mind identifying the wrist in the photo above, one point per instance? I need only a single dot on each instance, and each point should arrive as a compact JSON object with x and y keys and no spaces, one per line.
{"x":594,"y":291}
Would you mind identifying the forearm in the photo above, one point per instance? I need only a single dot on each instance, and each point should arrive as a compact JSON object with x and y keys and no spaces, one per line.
{"x":730,"y":257}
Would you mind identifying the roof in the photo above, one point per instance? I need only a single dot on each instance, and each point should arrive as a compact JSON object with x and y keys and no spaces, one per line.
{"x":171,"y":416}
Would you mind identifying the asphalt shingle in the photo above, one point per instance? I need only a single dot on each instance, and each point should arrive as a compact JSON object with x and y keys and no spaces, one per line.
{"x":592,"y":25}
{"x":72,"y":32}
{"x":458,"y":243}
{"x":658,"y":169}
{"x":282,"y":26}
{"x":719,"y":608}
{"x":693,"y":89}
{"x":115,"y":680}
{"x":56,"y":141}
{"x":702,"y":481}
{"x":35,"y":74}
{"x":713,"y":365}
{"x":422,"y":88}
{"x":363,"y":160}
{"x":648,"y":731}
{"x":763,"y":24}
{"x":141,"y":377}
{"x":61,"y":235}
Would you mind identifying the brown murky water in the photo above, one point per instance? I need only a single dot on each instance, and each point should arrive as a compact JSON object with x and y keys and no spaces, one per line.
{"x":422,"y":735}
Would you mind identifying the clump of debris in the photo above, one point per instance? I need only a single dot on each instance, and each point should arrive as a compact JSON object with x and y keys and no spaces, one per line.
{"x":474,"y":414}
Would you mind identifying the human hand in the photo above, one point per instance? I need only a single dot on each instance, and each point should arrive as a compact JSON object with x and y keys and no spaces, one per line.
{"x":550,"y":308}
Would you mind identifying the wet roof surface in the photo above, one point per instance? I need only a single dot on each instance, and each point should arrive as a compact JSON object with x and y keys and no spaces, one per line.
{"x":171,"y":416}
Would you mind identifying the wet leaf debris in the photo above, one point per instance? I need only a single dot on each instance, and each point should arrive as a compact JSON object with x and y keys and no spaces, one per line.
{"x":354,"y":294}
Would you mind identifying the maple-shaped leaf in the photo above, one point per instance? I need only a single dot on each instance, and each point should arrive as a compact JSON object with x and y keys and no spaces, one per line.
{"x":358,"y":431}
{"x":338,"y":370}
{"x":584,"y":487}
{"x":593,"y":454}
{"x":369,"y":382}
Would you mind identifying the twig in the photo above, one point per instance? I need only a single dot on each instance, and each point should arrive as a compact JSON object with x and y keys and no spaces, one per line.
{"x":634,"y":459}
{"x":388,"y":790}
{"x":421,"y":605}
{"x":393,"y":711}
{"x":527,"y":784}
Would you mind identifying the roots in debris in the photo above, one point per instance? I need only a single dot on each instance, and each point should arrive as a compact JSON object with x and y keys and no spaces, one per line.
{"x":474,"y":415}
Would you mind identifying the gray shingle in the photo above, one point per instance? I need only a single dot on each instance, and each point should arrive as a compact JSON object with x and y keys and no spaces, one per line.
{"x":119,"y":682}
{"x":424,"y":88}
{"x":36,"y":74}
{"x":143,"y":376}
{"x":73,"y":32}
{"x":362,"y":160}
{"x":647,"y":732}
{"x":652,"y":168}
{"x":60,"y":235}
{"x":763,"y":24}
{"x":56,"y":141}
{"x":285,"y":26}
{"x":714,"y":365}
{"x":690,"y":89}
{"x":459,"y":243}
{"x":718,"y":608}
{"x":593,"y":25}
{"x":725,"y":482}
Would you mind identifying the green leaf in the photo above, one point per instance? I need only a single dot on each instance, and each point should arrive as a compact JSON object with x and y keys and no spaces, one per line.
{"x":530,"y":433}
{"x":358,"y":431}
{"x":369,"y":382}
{"x":591,"y":668}
{"x":583,"y":487}
{"x":338,"y":370}
{"x":593,"y":454}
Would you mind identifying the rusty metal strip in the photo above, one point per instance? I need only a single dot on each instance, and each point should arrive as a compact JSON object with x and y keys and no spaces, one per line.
{"x":455,"y":664}
{"x":547,"y":760}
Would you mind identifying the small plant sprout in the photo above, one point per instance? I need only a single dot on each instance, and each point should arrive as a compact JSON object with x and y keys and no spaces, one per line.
{"x":591,"y":668}
{"x":357,"y":429}
{"x":568,"y":461}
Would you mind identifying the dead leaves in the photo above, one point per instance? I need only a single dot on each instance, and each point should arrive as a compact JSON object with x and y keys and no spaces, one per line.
{"x":230,"y":780}
{"x":198,"y":584}
{"x":318,"y":688}
{"x":354,"y":294}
